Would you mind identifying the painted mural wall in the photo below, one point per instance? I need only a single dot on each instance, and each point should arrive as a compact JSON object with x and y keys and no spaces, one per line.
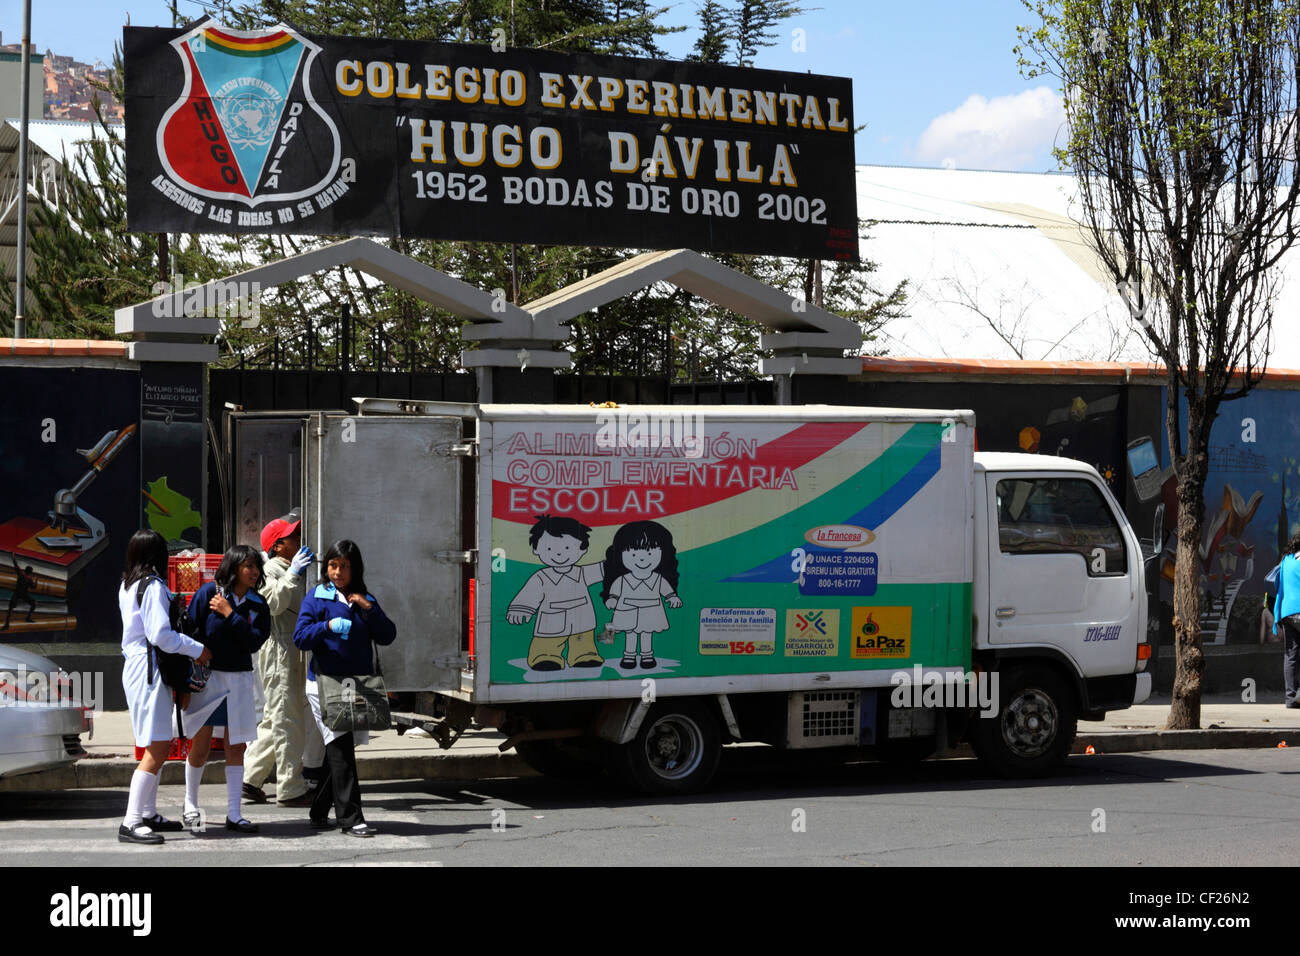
{"x":70,"y":474}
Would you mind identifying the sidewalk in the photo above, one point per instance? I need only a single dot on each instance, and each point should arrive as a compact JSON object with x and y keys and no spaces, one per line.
{"x":110,"y":759}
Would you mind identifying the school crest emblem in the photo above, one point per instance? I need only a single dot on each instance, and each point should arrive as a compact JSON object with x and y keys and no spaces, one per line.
{"x":246,"y":127}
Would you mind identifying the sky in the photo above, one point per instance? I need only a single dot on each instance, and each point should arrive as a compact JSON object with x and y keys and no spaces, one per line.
{"x":935,"y":81}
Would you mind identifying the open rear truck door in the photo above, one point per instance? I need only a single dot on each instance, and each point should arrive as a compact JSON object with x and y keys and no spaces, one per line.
{"x":396,"y":486}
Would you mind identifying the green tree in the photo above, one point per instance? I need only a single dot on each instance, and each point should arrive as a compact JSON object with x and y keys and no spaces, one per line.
{"x":1183,"y":137}
{"x":84,"y":263}
{"x":754,"y":25}
{"x":715,"y":34}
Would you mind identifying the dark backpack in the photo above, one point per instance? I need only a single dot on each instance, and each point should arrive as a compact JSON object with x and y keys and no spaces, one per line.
{"x":173,"y":668}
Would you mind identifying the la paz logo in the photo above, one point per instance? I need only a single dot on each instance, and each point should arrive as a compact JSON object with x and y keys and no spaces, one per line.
{"x":246,"y":127}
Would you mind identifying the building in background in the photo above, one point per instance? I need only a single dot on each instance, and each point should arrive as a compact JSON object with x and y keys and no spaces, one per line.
{"x":62,"y":87}
{"x":11,"y":76}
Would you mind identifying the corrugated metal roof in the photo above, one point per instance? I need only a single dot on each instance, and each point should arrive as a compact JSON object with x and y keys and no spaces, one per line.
{"x":989,"y":252}
{"x":58,"y":139}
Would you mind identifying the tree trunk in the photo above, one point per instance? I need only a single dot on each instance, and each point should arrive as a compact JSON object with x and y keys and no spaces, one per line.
{"x":1185,"y":709}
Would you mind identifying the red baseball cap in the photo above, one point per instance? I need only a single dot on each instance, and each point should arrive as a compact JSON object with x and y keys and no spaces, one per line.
{"x":279,"y":528}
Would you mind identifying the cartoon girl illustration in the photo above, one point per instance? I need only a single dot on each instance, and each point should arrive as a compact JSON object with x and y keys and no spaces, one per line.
{"x":640,"y":571}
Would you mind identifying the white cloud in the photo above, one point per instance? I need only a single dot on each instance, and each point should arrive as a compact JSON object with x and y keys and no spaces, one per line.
{"x":1006,"y":132}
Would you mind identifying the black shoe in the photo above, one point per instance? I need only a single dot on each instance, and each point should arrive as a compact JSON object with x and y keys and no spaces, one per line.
{"x":648,"y":662}
{"x":241,"y":825}
{"x":363,"y":830}
{"x":160,"y":824}
{"x":628,"y":662}
{"x":318,"y":824}
{"x":146,"y":838}
{"x":547,"y":666}
{"x":591,"y":662}
{"x":305,"y":800}
{"x":1293,"y":704}
{"x":254,"y":794}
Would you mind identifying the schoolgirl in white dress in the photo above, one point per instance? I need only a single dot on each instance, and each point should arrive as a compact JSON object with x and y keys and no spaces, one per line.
{"x":146,"y":629}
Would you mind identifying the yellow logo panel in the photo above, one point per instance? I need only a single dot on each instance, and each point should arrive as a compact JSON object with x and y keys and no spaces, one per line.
{"x":812,"y":632}
{"x":881,"y":633}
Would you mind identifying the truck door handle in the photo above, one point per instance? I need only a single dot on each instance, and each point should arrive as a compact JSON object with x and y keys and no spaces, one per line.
{"x":1005,"y":612}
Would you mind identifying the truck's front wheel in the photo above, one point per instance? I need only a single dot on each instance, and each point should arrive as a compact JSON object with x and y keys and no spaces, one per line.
{"x":1034,"y":727}
{"x":676,"y":750}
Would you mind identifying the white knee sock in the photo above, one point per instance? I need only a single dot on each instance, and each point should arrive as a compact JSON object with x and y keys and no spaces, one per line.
{"x":234,"y":790}
{"x":140,"y":785}
{"x":149,"y":799}
{"x":193,"y":777}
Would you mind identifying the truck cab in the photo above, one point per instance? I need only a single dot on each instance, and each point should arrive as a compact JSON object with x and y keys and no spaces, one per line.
{"x":1060,"y":610}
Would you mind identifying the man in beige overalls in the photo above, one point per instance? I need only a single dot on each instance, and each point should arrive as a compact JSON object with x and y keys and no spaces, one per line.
{"x":286,"y":721}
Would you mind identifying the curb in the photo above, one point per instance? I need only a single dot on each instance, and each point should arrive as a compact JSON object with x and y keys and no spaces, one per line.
{"x":117,"y":771}
{"x":1139,"y":741}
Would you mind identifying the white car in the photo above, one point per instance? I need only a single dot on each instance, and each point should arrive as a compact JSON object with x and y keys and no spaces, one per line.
{"x":40,"y":723}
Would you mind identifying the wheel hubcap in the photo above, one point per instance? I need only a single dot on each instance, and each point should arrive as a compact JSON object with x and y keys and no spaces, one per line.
{"x":1029,"y":723}
{"x":674,"y":747}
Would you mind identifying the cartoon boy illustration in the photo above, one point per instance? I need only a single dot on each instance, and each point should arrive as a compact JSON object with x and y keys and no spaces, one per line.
{"x":558,"y":595}
{"x":640,"y":574}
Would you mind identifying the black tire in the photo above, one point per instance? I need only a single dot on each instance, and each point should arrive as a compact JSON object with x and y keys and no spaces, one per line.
{"x":1035,"y":725}
{"x":560,"y":759}
{"x":677,"y":750}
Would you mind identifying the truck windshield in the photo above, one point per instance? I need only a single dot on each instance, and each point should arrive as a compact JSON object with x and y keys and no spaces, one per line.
{"x":1060,"y":515}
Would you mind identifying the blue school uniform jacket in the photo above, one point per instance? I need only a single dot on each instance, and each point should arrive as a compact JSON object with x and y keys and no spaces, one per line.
{"x":340,"y":655}
{"x":233,"y":640}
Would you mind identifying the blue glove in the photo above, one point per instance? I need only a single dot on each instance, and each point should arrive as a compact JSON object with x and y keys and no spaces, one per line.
{"x":302,"y":560}
{"x":341,"y":625}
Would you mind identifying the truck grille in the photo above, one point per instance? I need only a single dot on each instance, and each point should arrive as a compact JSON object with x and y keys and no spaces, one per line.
{"x":823,"y":718}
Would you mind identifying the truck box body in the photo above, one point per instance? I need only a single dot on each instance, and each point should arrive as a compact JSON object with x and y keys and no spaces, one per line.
{"x":814,"y":547}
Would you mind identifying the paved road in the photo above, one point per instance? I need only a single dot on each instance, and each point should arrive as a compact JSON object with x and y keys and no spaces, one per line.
{"x":1178,"y":808}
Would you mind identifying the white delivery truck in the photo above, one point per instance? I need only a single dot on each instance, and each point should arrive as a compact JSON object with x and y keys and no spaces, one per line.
{"x":633,"y":587}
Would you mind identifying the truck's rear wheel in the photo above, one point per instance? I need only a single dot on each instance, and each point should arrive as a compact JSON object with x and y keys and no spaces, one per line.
{"x":562,"y":760}
{"x":1035,"y":725}
{"x":676,"y":750}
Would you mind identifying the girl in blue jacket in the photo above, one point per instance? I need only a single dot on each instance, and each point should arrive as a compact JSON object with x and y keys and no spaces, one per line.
{"x":338,"y":623}
{"x":235,"y":622}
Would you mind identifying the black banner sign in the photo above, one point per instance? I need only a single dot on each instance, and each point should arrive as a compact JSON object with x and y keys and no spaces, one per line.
{"x":275,"y":131}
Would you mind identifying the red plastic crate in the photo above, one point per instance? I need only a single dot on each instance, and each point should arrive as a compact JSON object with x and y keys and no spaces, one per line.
{"x":179,"y":577}
{"x":180,"y":748}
